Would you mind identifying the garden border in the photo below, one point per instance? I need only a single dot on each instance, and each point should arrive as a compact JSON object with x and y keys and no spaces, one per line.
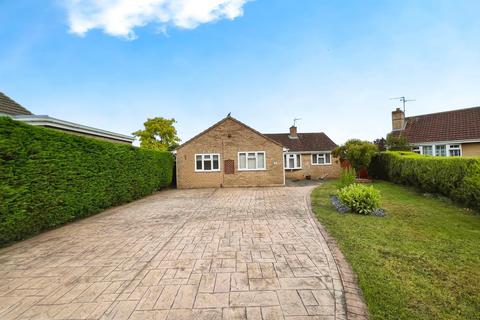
{"x":354,"y":302}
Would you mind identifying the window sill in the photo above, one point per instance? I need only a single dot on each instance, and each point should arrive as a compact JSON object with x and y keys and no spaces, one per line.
{"x":243,"y":170}
{"x":206,"y":171}
{"x":321,"y":164}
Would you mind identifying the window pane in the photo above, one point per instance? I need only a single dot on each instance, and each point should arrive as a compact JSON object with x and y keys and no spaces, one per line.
{"x":207,"y":165}
{"x":454,"y":153}
{"x":215,"y":162}
{"x":416,"y":150}
{"x":314,"y":159}
{"x":242,"y":161}
{"x":260,"y":160}
{"x":291,"y":162}
{"x":440,"y":151}
{"x":251,"y":163}
{"x":427,"y":150}
{"x":285,"y":163}
{"x":206,"y":156}
{"x":299,"y":163}
{"x":321,"y":158}
{"x":251,"y":155}
{"x":327,"y":158}
{"x":199,"y":162}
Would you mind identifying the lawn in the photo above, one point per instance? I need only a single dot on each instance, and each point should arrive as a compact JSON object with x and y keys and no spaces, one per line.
{"x":421,"y":261}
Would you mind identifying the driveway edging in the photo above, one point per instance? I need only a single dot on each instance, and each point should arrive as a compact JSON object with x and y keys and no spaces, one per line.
{"x":354,"y":302}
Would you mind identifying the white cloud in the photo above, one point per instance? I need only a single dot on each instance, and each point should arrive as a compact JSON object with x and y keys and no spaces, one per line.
{"x":121,"y":17}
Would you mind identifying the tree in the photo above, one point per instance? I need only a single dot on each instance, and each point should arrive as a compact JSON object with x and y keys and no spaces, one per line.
{"x":381,"y":144}
{"x":397,"y":143}
{"x":159,"y":134}
{"x":358,"y":153}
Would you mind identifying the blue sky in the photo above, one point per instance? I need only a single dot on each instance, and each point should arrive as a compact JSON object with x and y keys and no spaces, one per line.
{"x":335,"y":64}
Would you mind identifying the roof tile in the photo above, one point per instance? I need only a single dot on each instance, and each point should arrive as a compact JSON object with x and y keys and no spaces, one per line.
{"x":462,"y":124}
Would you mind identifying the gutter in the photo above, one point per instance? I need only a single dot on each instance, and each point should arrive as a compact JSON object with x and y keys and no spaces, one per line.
{"x":46,"y":121}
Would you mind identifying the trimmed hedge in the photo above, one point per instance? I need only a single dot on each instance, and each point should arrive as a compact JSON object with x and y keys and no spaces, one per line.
{"x":48,"y":177}
{"x":454,"y":177}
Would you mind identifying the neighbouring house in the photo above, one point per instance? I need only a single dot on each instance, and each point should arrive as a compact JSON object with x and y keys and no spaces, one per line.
{"x":452,"y":133}
{"x":14,"y":110}
{"x":308,"y":155}
{"x":232,"y":154}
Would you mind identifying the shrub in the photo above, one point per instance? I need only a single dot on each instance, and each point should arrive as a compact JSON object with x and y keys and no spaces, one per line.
{"x":48,"y":177}
{"x":454,"y":177}
{"x":360,"y":198}
{"x":358,"y":153}
{"x":347,"y":177}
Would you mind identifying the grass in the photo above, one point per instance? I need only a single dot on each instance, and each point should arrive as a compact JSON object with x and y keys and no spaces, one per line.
{"x":421,"y":261}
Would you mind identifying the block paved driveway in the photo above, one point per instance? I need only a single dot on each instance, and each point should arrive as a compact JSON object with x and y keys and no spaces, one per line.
{"x":252,"y":253}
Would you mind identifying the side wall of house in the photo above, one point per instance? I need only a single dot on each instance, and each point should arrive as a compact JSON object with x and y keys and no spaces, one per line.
{"x":315,"y":171}
{"x":227,"y":139}
{"x":471,"y":149}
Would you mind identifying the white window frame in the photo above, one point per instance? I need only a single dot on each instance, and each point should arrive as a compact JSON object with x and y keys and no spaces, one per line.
{"x":256,"y":160}
{"x":322,"y":155}
{"x":448,"y":147}
{"x":295,"y":160}
{"x":203,"y":162}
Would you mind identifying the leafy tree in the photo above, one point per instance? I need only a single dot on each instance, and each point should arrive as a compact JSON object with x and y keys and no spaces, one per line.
{"x":381,"y":144}
{"x":159,"y":134}
{"x":359,"y":153}
{"x":397,"y":143}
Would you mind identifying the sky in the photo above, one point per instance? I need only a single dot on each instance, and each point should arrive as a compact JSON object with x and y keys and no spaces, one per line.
{"x":112,"y":64}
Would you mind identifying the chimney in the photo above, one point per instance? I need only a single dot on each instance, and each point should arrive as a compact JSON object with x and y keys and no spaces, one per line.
{"x":293,"y":132}
{"x":398,"y":120}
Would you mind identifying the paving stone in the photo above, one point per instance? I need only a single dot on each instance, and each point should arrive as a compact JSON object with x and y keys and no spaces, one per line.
{"x":291,"y":303}
{"x":211,"y":300}
{"x":253,"y":299}
{"x":185,"y":297}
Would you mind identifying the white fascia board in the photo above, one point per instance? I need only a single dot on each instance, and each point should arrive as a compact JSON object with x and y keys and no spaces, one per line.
{"x":47,"y":121}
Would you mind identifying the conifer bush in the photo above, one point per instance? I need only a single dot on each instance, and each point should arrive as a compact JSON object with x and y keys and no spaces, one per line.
{"x":48,"y":178}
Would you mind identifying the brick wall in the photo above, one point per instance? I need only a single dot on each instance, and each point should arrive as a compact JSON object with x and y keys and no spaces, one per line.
{"x":471,"y":149}
{"x":316,"y":171}
{"x":228,"y":138}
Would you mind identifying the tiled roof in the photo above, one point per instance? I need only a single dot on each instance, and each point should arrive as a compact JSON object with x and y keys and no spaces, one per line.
{"x":316,"y":141}
{"x":229,"y":117}
{"x":462,"y":124}
{"x":10,"y":107}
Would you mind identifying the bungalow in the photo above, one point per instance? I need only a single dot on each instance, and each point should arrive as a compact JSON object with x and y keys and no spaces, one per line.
{"x":308,"y":155}
{"x":12,"y":109}
{"x":451,"y":133}
{"x":232,"y":154}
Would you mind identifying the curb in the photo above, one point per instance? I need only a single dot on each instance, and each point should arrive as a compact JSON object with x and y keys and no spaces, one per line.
{"x":354,"y":303}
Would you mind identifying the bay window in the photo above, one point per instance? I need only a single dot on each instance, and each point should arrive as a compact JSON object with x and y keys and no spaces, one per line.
{"x":207,"y":162}
{"x":251,"y":160}
{"x":292,"y":160}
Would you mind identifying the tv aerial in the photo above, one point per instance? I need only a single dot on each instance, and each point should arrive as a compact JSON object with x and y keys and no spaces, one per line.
{"x":403,"y":100}
{"x":295,"y":121}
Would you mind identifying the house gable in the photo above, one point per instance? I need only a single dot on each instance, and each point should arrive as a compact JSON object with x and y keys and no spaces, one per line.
{"x":225,"y":121}
{"x":226,"y":140}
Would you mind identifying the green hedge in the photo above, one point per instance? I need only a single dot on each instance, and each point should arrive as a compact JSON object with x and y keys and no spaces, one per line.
{"x":454,"y":177}
{"x":48,"y":177}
